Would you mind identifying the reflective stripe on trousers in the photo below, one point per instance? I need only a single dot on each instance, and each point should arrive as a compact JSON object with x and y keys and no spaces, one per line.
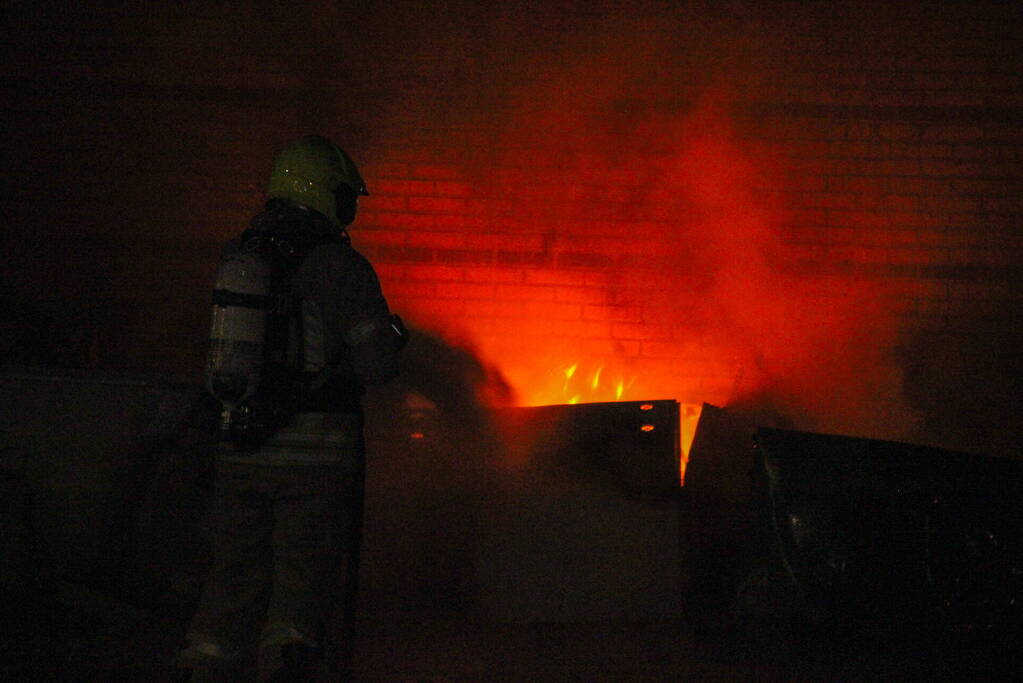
{"x":280,"y":522}
{"x":310,"y":438}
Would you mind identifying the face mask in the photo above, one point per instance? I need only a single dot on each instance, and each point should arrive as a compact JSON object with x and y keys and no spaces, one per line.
{"x":346,"y":202}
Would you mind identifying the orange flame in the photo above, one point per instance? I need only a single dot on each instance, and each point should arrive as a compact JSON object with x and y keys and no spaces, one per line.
{"x":577,"y":384}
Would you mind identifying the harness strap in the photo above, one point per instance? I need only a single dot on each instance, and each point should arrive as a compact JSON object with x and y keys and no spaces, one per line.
{"x":274,"y":303}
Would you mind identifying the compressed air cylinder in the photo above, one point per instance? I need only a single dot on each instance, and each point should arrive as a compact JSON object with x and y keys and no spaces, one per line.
{"x":238,"y":331}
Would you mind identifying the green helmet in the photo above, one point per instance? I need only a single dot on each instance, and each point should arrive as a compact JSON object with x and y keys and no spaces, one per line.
{"x":310,"y":171}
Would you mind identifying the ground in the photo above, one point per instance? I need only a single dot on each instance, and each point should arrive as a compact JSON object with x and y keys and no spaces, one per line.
{"x":83,"y":635}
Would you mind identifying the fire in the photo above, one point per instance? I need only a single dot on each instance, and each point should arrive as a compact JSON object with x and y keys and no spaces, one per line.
{"x":580,"y":384}
{"x":583,"y":382}
{"x":690,"y":415}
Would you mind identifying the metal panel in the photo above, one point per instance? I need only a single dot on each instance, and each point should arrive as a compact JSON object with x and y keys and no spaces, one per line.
{"x":584,"y":527}
{"x":897,"y":539}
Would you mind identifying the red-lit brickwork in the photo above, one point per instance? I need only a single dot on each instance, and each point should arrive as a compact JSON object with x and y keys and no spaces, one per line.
{"x":678,"y":202}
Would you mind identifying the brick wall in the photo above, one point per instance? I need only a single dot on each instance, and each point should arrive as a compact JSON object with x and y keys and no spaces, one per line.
{"x":633,"y":193}
{"x":894,"y":155}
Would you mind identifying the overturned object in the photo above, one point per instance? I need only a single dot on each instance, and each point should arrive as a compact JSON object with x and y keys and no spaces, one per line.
{"x":875,"y":533}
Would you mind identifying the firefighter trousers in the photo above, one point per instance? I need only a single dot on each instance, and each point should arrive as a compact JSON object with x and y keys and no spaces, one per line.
{"x":280,"y":534}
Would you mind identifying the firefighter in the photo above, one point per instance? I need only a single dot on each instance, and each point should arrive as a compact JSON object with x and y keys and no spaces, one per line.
{"x":287,"y":505}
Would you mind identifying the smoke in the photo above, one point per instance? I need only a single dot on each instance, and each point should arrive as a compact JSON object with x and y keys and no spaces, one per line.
{"x":634,"y":137}
{"x":627,"y":127}
{"x":817,"y":348}
{"x":432,"y":444}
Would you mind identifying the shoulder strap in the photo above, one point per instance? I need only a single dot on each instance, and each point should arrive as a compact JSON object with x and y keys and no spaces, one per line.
{"x":289,"y":248}
{"x":285,"y":341}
